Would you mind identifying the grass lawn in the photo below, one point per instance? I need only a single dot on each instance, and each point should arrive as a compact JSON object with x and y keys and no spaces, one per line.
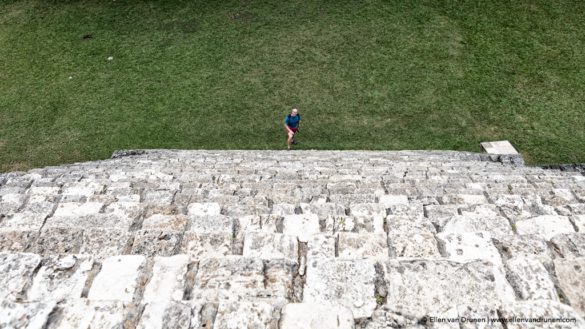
{"x":385,"y":75}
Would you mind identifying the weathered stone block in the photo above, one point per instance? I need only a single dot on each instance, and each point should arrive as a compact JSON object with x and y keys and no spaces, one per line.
{"x":231,"y":277}
{"x":156,"y":243}
{"x":204,"y":209}
{"x":237,"y":315}
{"x":200,"y":246}
{"x":61,"y":277}
{"x":440,"y":284}
{"x":16,"y":271}
{"x":211,"y":224}
{"x":408,"y":245}
{"x":104,"y":243}
{"x":168,"y":279}
{"x":75,"y":209}
{"x":571,"y":276}
{"x":59,"y":241}
{"x":165,"y":315}
{"x":569,"y":245}
{"x":530,"y":279}
{"x":301,"y":226}
{"x":362,"y":245}
{"x":118,"y":278}
{"x":545,"y":226}
{"x":165,"y":222}
{"x":25,"y":315}
{"x":316,"y":316}
{"x":345,"y":282}
{"x":544,"y":314}
{"x":17,"y":241}
{"x":271,"y":246}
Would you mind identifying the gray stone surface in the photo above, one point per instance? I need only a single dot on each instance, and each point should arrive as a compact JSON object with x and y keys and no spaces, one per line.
{"x":440,"y":284}
{"x":316,"y":316}
{"x":255,"y":230}
{"x":16,"y":271}
{"x":344,"y":282}
{"x":530,"y":279}
{"x":571,"y":276}
{"x":27,"y":315}
{"x":557,"y":316}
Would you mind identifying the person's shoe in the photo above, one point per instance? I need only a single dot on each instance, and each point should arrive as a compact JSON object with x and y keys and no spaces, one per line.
{"x":295,"y":142}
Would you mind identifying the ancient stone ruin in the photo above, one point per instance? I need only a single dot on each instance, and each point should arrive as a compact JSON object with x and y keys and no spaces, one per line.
{"x":304,"y":239}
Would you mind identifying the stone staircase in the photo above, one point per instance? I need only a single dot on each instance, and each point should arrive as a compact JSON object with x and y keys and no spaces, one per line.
{"x":303,"y":239}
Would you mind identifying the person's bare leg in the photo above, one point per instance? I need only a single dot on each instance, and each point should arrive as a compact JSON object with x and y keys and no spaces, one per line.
{"x":290,"y":137}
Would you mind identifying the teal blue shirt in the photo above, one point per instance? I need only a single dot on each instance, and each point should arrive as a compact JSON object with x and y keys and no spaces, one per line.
{"x":292,"y":122}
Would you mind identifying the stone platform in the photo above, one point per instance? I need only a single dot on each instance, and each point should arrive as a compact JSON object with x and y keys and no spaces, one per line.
{"x":303,"y":239}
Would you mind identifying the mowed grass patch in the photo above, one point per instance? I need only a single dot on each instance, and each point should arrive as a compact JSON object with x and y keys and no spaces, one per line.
{"x":222,"y":75}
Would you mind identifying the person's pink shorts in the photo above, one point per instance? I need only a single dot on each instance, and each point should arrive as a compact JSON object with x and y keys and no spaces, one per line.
{"x":294,"y":130}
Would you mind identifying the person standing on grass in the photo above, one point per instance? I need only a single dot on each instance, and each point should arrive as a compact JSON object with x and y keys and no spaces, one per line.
{"x":292,"y":123}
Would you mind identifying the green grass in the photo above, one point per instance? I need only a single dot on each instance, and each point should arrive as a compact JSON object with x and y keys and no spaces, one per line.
{"x":426,"y":74}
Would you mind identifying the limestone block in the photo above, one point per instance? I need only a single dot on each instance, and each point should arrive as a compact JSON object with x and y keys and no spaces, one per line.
{"x":156,"y":243}
{"x":439,"y":285}
{"x":25,"y":315}
{"x":530,"y":279}
{"x":463,"y":247}
{"x":159,"y":196}
{"x":17,"y":241}
{"x":84,"y":189}
{"x":467,"y":199}
{"x":90,"y":221}
{"x":283,"y":209}
{"x":495,"y":225}
{"x":469,"y":246}
{"x":341,"y":187}
{"x":76,"y":209}
{"x":545,"y":226}
{"x":211,"y":224}
{"x":279,"y":275}
{"x":321,"y":246}
{"x":301,"y":226}
{"x":231,"y":277}
{"x":323,"y":210}
{"x":414,"y":210}
{"x":579,"y":221}
{"x":59,"y":241}
{"x":165,"y":315}
{"x":367,"y":210}
{"x":204,"y":209}
{"x":165,"y":222}
{"x":364,"y":224}
{"x":271,"y":246}
{"x":200,"y":246}
{"x":104,"y":243}
{"x":83,"y":314}
{"x":556,"y":315}
{"x":414,"y":244}
{"x":569,"y":245}
{"x":168,"y":279}
{"x":390,"y":200}
{"x":237,"y":209}
{"x":252,"y":223}
{"x":405,"y":225}
{"x":118,"y":278}
{"x":237,"y":315}
{"x":440,"y":214}
{"x":61,"y":277}
{"x":558,"y":197}
{"x":362,"y":245}
{"x":10,"y":203}
{"x":571,"y":276}
{"x":348,"y":199}
{"x":524,"y":245}
{"x":16,"y":271}
{"x":315,"y":316}
{"x":345,"y":282}
{"x":22,"y":222}
{"x":129,"y":209}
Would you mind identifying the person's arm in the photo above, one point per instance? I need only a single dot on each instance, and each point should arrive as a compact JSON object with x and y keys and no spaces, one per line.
{"x":286,"y":125}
